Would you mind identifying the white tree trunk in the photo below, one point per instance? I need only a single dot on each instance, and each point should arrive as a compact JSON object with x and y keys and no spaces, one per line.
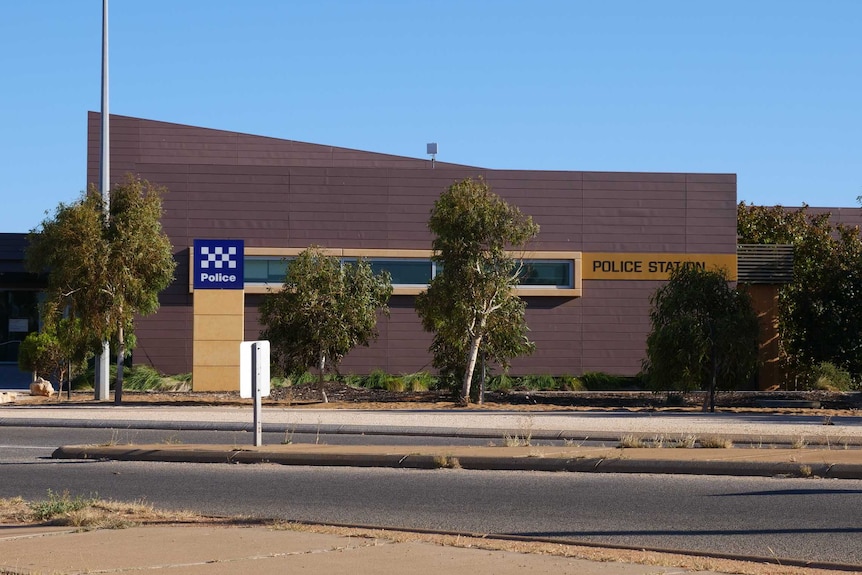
{"x":471,"y":367}
{"x":320,"y":367}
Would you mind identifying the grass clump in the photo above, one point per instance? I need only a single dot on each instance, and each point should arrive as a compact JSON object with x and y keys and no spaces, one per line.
{"x":59,"y":505}
{"x":419,"y":381}
{"x":633,"y":441}
{"x":716,"y":442}
{"x":686,"y":442}
{"x":827,"y":376}
{"x":798,"y":443}
{"x":86,"y":512}
{"x":138,"y":378}
{"x":446,"y":462}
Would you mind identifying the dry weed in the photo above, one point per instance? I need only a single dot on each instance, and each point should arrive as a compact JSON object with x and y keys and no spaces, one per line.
{"x":716,"y":442}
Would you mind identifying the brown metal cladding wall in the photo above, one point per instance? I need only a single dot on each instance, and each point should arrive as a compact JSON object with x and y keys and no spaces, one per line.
{"x":280,"y":193}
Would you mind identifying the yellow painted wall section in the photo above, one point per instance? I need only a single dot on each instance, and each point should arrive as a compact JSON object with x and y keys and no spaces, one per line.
{"x":650,"y":266}
{"x":219,"y":317}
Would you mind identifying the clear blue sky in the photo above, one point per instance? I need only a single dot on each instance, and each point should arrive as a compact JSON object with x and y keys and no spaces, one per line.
{"x":770,"y":90}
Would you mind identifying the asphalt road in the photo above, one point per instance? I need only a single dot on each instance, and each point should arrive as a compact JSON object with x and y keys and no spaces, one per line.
{"x":811,"y":519}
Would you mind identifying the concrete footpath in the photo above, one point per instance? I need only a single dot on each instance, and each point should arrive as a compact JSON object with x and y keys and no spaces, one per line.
{"x":768,"y":444}
{"x":209,"y":550}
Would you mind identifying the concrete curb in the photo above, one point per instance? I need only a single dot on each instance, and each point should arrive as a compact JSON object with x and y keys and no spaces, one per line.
{"x":429,"y":458}
{"x":404,"y":431}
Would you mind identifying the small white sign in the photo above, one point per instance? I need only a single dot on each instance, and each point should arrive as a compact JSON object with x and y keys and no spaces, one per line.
{"x":19,"y":325}
{"x":246,"y":367}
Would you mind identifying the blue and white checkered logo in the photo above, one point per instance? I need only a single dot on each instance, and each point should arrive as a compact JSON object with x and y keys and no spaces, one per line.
{"x":218,"y":264}
{"x":218,"y":257}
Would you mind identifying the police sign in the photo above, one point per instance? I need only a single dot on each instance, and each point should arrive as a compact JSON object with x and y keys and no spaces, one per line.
{"x":218,"y":264}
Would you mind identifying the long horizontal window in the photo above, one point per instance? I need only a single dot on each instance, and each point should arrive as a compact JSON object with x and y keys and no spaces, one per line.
{"x":405,"y":271}
{"x":260,"y":270}
{"x":417,"y":271}
{"x":546,"y":273}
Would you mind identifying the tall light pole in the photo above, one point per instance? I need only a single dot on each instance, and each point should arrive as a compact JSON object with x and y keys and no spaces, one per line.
{"x":103,"y":360}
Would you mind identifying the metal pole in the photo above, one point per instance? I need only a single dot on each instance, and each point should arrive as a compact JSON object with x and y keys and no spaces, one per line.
{"x":103,"y":360}
{"x":256,"y":376}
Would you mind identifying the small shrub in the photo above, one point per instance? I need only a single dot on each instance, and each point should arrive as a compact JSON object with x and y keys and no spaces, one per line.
{"x":141,"y":378}
{"x":41,"y":354}
{"x":304,"y":378}
{"x":352,"y":380}
{"x":377,"y":379}
{"x":716,"y":442}
{"x":501,"y":382}
{"x":539,"y":383}
{"x":687,"y":442}
{"x":571,"y":383}
{"x":394,"y":383}
{"x":446,"y":462}
{"x":419,"y":381}
{"x":632,"y":441}
{"x":58,"y":505}
{"x":798,"y":443}
{"x":827,"y":376}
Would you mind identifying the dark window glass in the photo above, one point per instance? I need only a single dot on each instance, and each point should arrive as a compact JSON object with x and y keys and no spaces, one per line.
{"x":263,"y":270}
{"x":544,"y":273}
{"x":404,"y":272}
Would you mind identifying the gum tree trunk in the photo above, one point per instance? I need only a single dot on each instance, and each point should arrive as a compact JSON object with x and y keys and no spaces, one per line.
{"x":320,"y":367}
{"x":471,"y":367}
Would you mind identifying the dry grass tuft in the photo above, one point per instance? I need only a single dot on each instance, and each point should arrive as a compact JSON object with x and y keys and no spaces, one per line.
{"x":686,"y":442}
{"x":88,"y":513}
{"x":716,"y":442}
{"x":632,"y":441}
{"x":14,"y":510}
{"x":446,"y":462}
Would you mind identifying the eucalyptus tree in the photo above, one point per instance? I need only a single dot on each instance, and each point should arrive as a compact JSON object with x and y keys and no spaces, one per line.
{"x":103,"y":272}
{"x":471,"y":300}
{"x":325,"y":308}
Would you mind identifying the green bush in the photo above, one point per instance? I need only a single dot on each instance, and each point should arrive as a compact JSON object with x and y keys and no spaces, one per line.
{"x":419,"y":381}
{"x":136,"y":378}
{"x":58,"y":505}
{"x":570,"y":383}
{"x":539,"y":383}
{"x":377,"y":379}
{"x":827,"y":376}
{"x":303,"y":378}
{"x":142,"y":378}
{"x":500,"y":382}
{"x":40,"y":353}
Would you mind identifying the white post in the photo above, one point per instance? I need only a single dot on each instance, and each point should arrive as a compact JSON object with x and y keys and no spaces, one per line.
{"x":257,"y":377}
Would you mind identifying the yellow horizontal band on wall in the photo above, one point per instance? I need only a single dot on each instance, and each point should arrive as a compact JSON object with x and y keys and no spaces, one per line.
{"x":634,"y":266}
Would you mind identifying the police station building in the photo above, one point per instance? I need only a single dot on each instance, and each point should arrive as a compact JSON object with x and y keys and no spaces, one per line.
{"x":238,"y":205}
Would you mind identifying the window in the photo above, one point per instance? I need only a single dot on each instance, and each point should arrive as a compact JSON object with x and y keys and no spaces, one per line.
{"x":404,"y":272}
{"x":261,"y":270}
{"x":550,"y":273}
{"x":543,"y":273}
{"x":415,"y":271}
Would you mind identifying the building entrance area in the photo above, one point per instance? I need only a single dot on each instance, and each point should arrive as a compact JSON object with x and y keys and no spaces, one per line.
{"x":19,"y":315}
